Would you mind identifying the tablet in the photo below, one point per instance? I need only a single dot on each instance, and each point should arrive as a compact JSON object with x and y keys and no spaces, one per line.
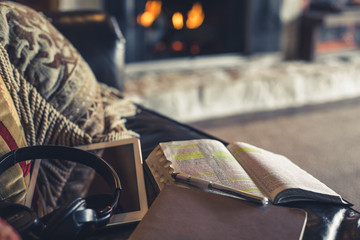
{"x":125,"y":157}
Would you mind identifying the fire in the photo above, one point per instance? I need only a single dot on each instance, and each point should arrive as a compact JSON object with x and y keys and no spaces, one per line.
{"x":178,"y":20}
{"x":152,"y":11}
{"x":146,"y":19}
{"x":195,"y":16}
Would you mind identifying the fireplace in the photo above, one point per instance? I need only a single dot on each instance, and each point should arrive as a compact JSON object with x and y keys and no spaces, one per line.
{"x":167,"y":29}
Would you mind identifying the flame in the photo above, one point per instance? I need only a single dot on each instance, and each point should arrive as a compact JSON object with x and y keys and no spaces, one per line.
{"x":152,"y":11}
{"x":178,"y":20}
{"x":195,"y":16}
{"x":154,"y":7}
{"x":146,"y":19}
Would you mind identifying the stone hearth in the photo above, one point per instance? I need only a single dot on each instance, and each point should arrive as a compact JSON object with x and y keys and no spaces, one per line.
{"x":208,"y":87}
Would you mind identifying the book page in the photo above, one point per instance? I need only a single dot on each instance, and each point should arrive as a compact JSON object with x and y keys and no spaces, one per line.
{"x":209,"y":160}
{"x":275,"y":173}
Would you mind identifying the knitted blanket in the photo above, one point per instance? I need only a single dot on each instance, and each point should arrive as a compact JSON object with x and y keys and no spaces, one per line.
{"x":57,"y":98}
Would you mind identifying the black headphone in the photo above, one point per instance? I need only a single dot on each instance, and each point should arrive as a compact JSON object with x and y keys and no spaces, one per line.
{"x":71,"y":221}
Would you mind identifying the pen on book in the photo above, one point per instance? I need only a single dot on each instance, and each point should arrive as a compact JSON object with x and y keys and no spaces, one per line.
{"x":203,"y":184}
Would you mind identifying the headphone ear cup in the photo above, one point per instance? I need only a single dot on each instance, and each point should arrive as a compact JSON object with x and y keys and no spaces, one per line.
{"x":97,"y":202}
{"x":69,"y":222}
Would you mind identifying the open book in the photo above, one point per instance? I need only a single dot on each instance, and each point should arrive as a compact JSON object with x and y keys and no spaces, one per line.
{"x":240,"y":166}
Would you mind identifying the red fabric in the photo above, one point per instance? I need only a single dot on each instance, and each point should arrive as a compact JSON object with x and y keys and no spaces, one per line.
{"x":10,"y":141}
{"x":6,"y":135}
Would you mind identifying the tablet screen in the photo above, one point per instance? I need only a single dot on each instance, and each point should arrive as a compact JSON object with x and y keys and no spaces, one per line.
{"x":125,"y":157}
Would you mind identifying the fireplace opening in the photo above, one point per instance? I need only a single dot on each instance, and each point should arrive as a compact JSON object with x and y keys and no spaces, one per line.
{"x":191,"y":28}
{"x":166,"y":29}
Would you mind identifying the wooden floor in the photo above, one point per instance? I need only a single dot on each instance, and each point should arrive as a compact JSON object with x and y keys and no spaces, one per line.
{"x":323,"y":139}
